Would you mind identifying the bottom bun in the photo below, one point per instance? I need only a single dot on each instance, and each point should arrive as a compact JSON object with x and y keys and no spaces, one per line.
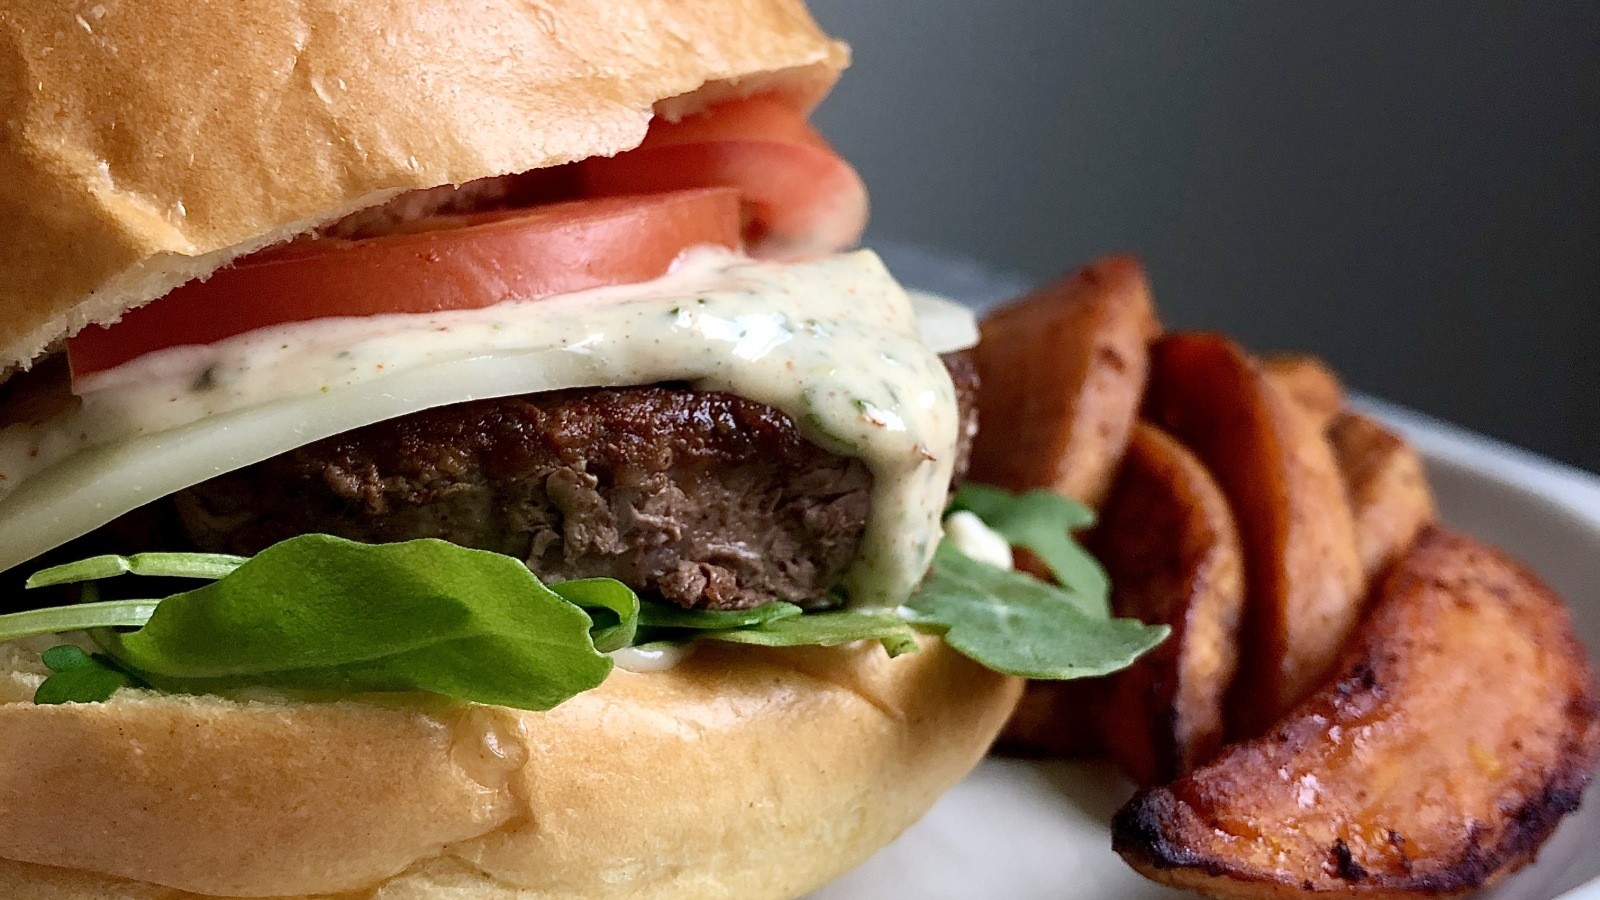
{"x":741,"y":772}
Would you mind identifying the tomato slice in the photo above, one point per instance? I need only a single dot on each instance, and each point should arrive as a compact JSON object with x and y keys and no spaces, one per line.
{"x":441,"y":263}
{"x":801,"y":198}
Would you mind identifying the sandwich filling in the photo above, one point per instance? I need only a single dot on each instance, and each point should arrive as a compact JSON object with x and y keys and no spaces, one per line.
{"x":733,"y":431}
{"x":828,"y":356}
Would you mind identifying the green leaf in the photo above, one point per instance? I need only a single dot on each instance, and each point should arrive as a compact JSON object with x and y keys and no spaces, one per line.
{"x":993,"y":504}
{"x":826,"y":629}
{"x":208,"y":566}
{"x":1014,"y":623}
{"x":660,"y":615}
{"x":65,"y":657}
{"x":612,"y":605}
{"x":1043,"y":522}
{"x":93,"y":684}
{"x":320,"y":613}
{"x":84,"y":616}
{"x":79,"y":677}
{"x":779,"y":625}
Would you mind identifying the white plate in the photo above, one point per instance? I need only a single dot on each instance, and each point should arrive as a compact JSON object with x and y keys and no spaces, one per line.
{"x":1037,"y":831}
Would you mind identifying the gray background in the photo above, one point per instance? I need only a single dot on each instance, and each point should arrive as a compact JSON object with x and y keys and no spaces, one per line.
{"x":1409,"y":189}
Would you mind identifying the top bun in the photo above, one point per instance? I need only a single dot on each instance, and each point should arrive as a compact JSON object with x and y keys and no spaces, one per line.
{"x":146,"y":143}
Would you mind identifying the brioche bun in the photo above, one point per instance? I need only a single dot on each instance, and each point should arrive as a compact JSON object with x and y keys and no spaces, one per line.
{"x":145,"y":144}
{"x":742,"y":772}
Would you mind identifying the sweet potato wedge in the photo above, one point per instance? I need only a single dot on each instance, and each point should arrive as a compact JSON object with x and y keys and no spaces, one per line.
{"x":1390,"y":501}
{"x":1302,"y":575}
{"x":1168,"y":541}
{"x":1463,"y":724}
{"x":1308,"y":382}
{"x":1058,"y":720}
{"x":1062,"y":371}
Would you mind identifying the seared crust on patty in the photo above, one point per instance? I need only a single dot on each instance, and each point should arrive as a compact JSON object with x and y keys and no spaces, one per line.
{"x":705,"y":499}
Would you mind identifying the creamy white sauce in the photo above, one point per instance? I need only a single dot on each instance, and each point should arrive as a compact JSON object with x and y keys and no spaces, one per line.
{"x":975,"y":539}
{"x":835,"y":343}
{"x":650,"y":658}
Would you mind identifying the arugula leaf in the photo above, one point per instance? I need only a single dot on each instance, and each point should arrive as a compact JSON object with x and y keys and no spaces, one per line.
{"x":1014,"y":623}
{"x":320,"y":613}
{"x":778,"y":625}
{"x":79,"y":677}
{"x":1043,"y":522}
{"x":65,"y":657}
{"x":210,"y":566}
{"x":826,"y":629}
{"x":994,"y":505}
{"x":82,"y":617}
{"x":615,"y":603}
{"x":660,"y":615}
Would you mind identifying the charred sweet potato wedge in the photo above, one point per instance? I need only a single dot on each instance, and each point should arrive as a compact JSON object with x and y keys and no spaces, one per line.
{"x":1308,"y":382}
{"x":1302,"y":575}
{"x":1170,"y":546}
{"x":1063,"y":370}
{"x":1390,"y":500}
{"x":1462,"y":725}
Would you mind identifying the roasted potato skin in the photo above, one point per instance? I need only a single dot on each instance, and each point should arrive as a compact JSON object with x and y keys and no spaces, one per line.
{"x":1303,"y":575}
{"x":1063,"y":371}
{"x":1464,"y":724}
{"x":1309,"y":382}
{"x":1171,"y":549}
{"x":1390,"y":501}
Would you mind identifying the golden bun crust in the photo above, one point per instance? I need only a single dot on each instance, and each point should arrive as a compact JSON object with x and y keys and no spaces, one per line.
{"x":740,"y":773}
{"x":146,"y":143}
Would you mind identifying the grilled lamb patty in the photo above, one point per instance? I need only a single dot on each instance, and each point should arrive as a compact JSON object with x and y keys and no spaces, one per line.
{"x":704,"y":499}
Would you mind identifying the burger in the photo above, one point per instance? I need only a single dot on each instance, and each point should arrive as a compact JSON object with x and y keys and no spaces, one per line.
{"x":452,"y":450}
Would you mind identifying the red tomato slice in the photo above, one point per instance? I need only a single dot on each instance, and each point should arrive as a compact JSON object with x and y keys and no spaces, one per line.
{"x":442,"y":263}
{"x":801,"y":198}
